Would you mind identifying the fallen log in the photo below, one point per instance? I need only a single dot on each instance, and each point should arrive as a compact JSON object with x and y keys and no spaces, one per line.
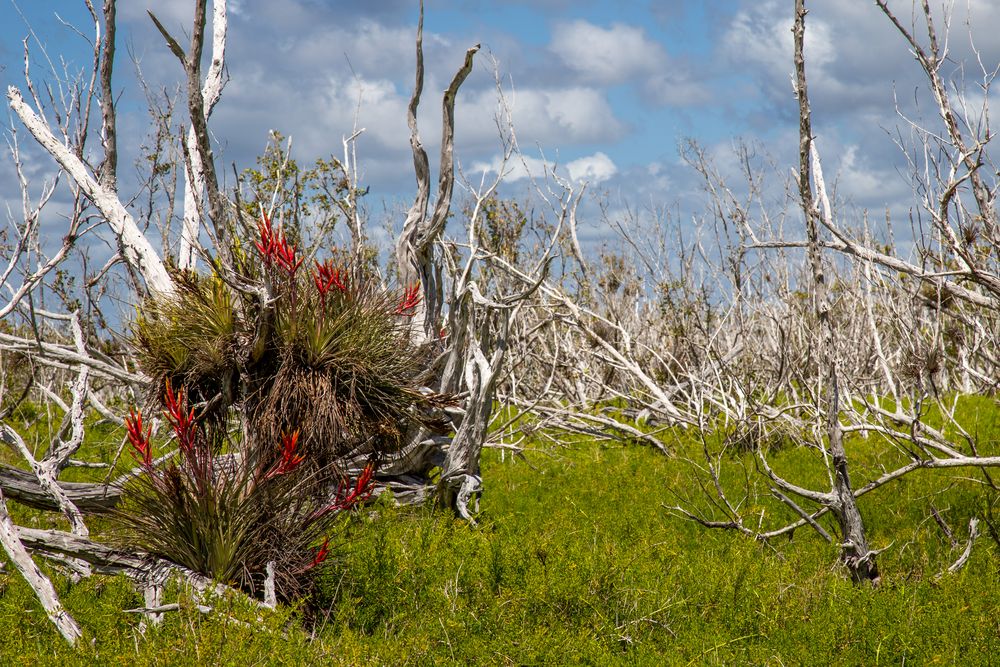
{"x":91,"y":498}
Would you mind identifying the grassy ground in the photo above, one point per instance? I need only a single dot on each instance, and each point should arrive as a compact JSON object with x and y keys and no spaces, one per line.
{"x":576,"y":561}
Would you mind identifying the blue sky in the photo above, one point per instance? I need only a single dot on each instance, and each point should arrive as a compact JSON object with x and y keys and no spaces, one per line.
{"x":609,"y":89}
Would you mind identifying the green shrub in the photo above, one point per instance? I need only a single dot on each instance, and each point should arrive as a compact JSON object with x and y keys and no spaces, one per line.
{"x":326,"y":351}
{"x":228,"y":517}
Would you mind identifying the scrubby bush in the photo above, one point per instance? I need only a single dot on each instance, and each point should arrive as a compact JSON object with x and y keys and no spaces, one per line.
{"x":228,"y":517}
{"x":268,"y":379}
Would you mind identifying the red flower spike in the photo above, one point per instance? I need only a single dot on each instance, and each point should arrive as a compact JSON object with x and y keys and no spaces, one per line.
{"x":326,"y":276}
{"x":285,"y":255}
{"x":411,"y":298}
{"x":267,"y":243}
{"x":181,"y":421}
{"x":347,"y":497}
{"x":289,"y":459}
{"x":365,"y":484}
{"x":321,"y":287}
{"x":321,"y":555}
{"x":139,"y":440}
{"x":362,"y":491}
{"x":274,"y":247}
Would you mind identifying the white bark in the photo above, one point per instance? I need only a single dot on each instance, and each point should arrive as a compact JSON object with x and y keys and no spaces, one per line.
{"x":152,"y":595}
{"x":415,"y":246}
{"x":270,"y":596}
{"x":47,"y":470}
{"x":194,"y":178}
{"x":35,"y":578}
{"x":44,"y":473}
{"x":135,"y":247}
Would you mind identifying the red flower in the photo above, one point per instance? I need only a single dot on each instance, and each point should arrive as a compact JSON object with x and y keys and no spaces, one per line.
{"x":286,"y":257}
{"x":326,"y":276}
{"x":362,"y":491}
{"x":182,"y":421}
{"x":268,"y":239}
{"x":274,"y":247}
{"x":321,"y":555}
{"x":289,"y":459}
{"x":347,"y":497}
{"x":411,"y":297}
{"x":139,"y":440}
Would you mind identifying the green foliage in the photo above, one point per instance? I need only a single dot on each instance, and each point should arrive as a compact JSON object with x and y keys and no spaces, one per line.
{"x":307,"y":363}
{"x":309,"y":202}
{"x":326,"y":351}
{"x":312,"y":364}
{"x":228,"y":518}
{"x":502,"y":227}
{"x":577,"y":562}
{"x":189,"y":338}
{"x":340,"y":368}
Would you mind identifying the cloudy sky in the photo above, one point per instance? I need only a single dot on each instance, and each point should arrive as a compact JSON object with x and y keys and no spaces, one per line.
{"x":608,"y":90}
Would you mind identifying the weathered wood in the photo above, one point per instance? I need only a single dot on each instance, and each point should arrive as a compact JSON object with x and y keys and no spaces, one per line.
{"x":135,"y":247}
{"x":22,"y":486}
{"x":416,"y":243}
{"x":194,"y":176}
{"x":855,"y":552}
{"x":110,"y":559}
{"x":17,"y":551}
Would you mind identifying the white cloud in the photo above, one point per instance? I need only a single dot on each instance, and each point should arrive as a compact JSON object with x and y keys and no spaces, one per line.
{"x":514,"y":170}
{"x":551,"y":117}
{"x":622,"y":54}
{"x":855,"y":57}
{"x":371,"y":48}
{"x":763,"y":36}
{"x":869,"y":186}
{"x":594,"y":168}
{"x":167,"y":11}
{"x":583,"y":112}
{"x":378,"y":105}
{"x":606,"y":55}
{"x":676,"y":88}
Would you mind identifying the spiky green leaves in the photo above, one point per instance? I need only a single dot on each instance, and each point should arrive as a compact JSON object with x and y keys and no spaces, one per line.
{"x":228,"y":517}
{"x":190,"y":337}
{"x":310,"y":367}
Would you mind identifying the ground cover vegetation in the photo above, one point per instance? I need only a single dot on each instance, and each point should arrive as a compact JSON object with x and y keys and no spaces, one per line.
{"x":767,"y":439}
{"x":575,"y":560}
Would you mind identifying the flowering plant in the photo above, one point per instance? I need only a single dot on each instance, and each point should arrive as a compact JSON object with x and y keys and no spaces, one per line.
{"x":227,"y":517}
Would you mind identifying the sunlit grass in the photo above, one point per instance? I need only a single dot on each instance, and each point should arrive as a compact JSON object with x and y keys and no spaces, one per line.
{"x":576,"y":561}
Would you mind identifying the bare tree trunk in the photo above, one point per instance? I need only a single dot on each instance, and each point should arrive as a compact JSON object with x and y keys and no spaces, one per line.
{"x":201,"y":161}
{"x":856,"y":554}
{"x":194,"y":180}
{"x":416,"y":246}
{"x":108,"y":171}
{"x":416,"y":243}
{"x":461,"y":483}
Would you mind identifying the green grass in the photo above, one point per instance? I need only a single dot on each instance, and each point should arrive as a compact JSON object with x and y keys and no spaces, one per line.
{"x":576,"y":561}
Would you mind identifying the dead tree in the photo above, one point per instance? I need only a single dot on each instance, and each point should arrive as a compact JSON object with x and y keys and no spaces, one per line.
{"x":416,"y":245}
{"x":856,"y":554}
{"x":901,"y":331}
